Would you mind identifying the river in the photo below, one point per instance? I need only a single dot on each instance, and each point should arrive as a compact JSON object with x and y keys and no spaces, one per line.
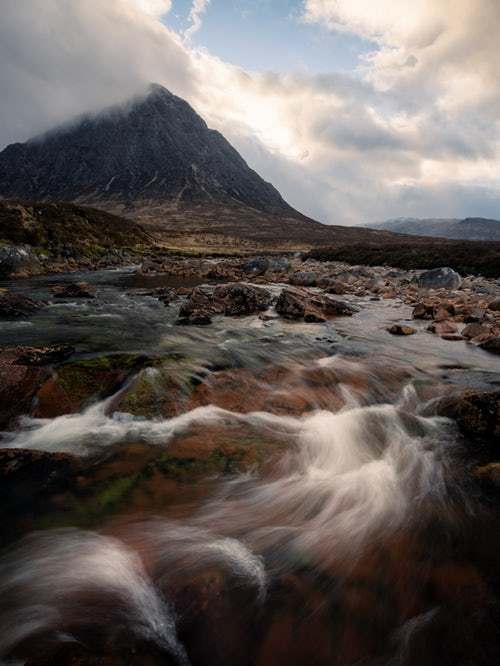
{"x":302,"y":503}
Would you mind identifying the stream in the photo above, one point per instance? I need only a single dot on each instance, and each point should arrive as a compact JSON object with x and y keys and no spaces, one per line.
{"x":259,"y":492}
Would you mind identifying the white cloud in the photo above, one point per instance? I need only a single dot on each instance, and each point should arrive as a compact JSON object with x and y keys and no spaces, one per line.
{"x":198,"y":8}
{"x":414,"y":131}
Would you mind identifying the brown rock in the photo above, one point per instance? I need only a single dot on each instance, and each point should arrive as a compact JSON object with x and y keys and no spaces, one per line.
{"x":233,"y":299}
{"x":311,"y":307}
{"x":400,"y":329}
{"x":490,"y":473}
{"x":74,"y":290}
{"x":494,"y":305}
{"x":477,"y":414}
{"x":474,"y":330}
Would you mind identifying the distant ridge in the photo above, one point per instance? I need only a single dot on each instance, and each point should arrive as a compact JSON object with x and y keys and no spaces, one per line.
{"x":470,"y":228}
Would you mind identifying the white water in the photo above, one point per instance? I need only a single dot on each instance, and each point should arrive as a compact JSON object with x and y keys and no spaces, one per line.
{"x":349,"y":479}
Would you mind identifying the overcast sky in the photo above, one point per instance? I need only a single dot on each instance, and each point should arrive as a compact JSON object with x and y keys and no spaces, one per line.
{"x":357,"y":110}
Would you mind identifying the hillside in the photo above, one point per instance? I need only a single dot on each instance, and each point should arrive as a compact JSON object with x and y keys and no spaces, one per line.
{"x":469,"y":228}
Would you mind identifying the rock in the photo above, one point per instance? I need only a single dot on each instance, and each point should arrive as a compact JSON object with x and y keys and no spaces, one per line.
{"x":492,"y":344}
{"x":14,"y":306}
{"x":494,"y":305}
{"x":474,"y":331}
{"x":241,"y":299}
{"x":304,"y":279}
{"x":477,"y":414}
{"x":257,"y":266}
{"x":337,"y":288}
{"x":400,"y":329}
{"x":443,"y":328}
{"x":233,"y":299}
{"x":303,"y":304}
{"x":279,"y":264}
{"x":74,"y":290}
{"x":489,"y":473}
{"x":44,"y":355}
{"x":18,"y":385}
{"x":475,"y":315}
{"x":75,"y":385}
{"x":438,"y":278}
{"x":423,"y":311}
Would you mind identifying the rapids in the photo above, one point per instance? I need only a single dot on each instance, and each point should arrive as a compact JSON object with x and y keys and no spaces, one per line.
{"x":363,"y":541}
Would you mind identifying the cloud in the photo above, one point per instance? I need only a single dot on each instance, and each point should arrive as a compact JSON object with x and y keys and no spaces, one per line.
{"x":413,"y":131}
{"x":198,"y":8}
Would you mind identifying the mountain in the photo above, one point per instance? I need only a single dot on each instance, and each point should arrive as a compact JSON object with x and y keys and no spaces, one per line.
{"x":152,"y":150}
{"x":470,"y":228}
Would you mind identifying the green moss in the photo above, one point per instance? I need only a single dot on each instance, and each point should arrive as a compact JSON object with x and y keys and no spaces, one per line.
{"x":115,"y":492}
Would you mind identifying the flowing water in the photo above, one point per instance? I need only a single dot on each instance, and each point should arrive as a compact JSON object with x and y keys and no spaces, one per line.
{"x":343,"y":527}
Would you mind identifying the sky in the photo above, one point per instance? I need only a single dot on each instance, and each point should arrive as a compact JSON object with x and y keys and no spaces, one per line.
{"x":356,"y":110}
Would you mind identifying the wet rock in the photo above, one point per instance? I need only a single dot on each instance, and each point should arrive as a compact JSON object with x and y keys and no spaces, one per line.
{"x":18,"y":385}
{"x":443,"y":328}
{"x":438,"y":278}
{"x":474,"y":315}
{"x":492,"y":344}
{"x":74,"y":290}
{"x":43,"y":355}
{"x":401,"y":329}
{"x":423,"y":311}
{"x":337,"y":288}
{"x":74,"y":385}
{"x":15,"y":306}
{"x":489,"y":473}
{"x":233,"y":299}
{"x":311,"y":307}
{"x":477,"y":414}
{"x":304,"y":279}
{"x":257,"y":266}
{"x":474,"y":331}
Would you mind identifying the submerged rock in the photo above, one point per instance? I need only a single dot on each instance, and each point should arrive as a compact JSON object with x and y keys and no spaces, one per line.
{"x":438,"y":278}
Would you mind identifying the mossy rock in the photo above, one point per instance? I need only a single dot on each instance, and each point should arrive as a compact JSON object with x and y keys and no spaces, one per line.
{"x":75,"y":385}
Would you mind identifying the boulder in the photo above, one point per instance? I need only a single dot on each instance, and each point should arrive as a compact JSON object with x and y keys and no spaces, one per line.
{"x":423,"y":311}
{"x":439,"y":278}
{"x":74,"y":290}
{"x":233,"y":299}
{"x":14,"y":306}
{"x":489,"y":473}
{"x":304,"y":279}
{"x":257,"y":266}
{"x":401,"y":329}
{"x":311,"y":307}
{"x":18,"y":385}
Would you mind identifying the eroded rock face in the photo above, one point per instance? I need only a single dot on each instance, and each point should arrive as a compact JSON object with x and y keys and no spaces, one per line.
{"x":439,"y":278}
{"x":311,"y":307}
{"x":15,"y":306}
{"x":233,"y":299}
